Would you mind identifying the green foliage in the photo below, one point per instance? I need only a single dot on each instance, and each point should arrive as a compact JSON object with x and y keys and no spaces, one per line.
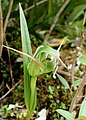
{"x":26,"y":48}
{"x":82,"y":59}
{"x":71,"y":7}
{"x":49,"y":7}
{"x":46,"y":55}
{"x":42,"y":54}
{"x":42,"y":15}
{"x":69,"y":116}
{"x":11,"y":110}
{"x":65,"y":114}
{"x":70,"y":24}
{"x":77,"y":82}
{"x":64,"y":82}
{"x":82,"y":111}
{"x":77,"y":11}
{"x":5,"y":4}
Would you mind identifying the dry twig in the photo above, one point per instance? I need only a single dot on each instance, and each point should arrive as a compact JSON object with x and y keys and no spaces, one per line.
{"x":10,"y":90}
{"x":79,"y":91}
{"x":77,"y":97}
{"x":7,"y":16}
{"x":4,"y":32}
{"x":1,"y":30}
{"x":78,"y":44}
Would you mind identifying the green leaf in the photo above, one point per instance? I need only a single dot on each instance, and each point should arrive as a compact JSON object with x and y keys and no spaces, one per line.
{"x":26,"y":43}
{"x":82,"y":111}
{"x":77,"y":83}
{"x":29,"y":90}
{"x":78,"y":10}
{"x":64,"y":82}
{"x":82,"y":59}
{"x":65,"y":114}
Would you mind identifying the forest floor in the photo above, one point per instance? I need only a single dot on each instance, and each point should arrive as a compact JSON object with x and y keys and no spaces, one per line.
{"x":51,"y":93}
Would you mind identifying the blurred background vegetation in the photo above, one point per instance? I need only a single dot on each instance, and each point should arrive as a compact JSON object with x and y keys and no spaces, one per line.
{"x":39,"y":15}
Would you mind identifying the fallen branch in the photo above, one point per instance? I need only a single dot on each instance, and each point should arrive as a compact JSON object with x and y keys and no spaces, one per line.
{"x":10,"y":90}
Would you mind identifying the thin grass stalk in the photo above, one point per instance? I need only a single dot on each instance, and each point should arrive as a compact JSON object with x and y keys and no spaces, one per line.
{"x":49,"y":7}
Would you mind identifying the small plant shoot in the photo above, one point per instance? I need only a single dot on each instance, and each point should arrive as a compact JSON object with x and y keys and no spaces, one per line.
{"x":47,"y":57}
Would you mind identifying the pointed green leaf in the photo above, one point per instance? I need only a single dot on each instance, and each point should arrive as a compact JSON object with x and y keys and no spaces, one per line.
{"x":77,"y":82}
{"x":78,"y":10}
{"x":64,"y":82}
{"x":82,"y":111}
{"x":82,"y":59}
{"x":26,"y":44}
{"x":26,"y":48}
{"x":65,"y":114}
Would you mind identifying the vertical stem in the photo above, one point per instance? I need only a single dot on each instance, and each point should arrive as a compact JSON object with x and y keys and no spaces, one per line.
{"x":33,"y":93}
{"x":33,"y":96}
{"x":1,"y":30}
{"x":4,"y":31}
{"x":7,"y":16}
{"x":28,"y":116}
{"x":49,"y":7}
